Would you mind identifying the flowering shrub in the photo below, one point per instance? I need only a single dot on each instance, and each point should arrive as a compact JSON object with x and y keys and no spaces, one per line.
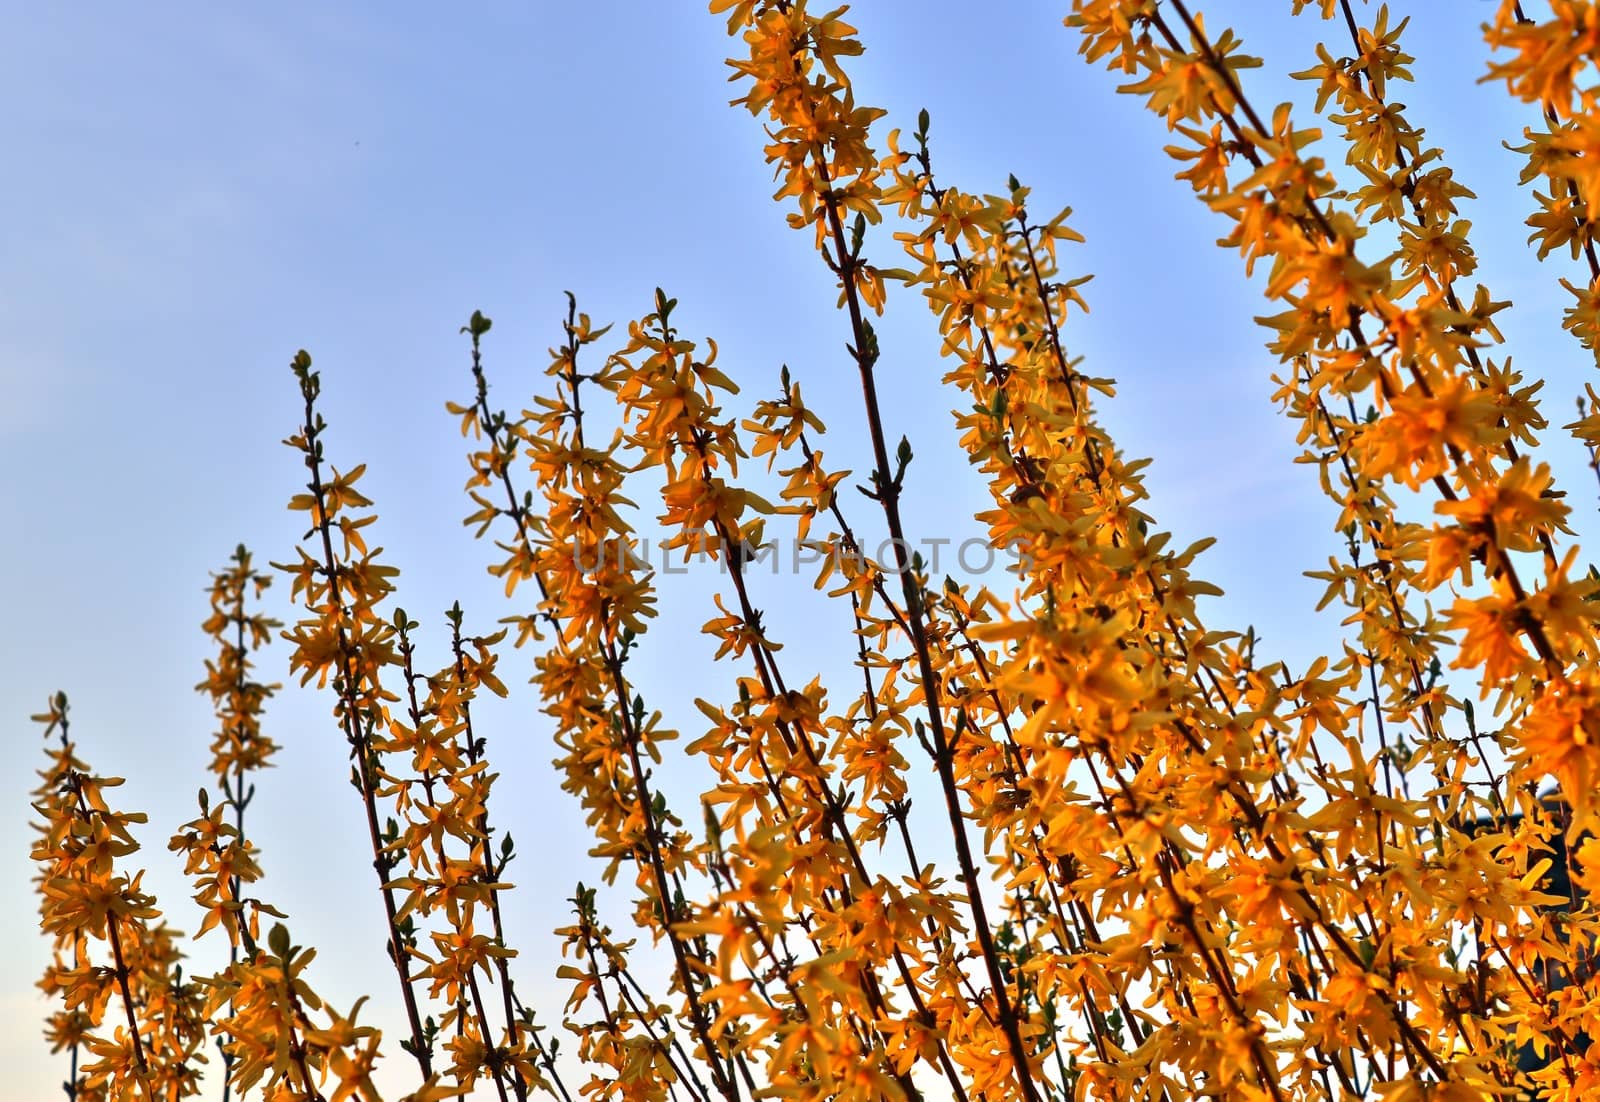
{"x":1176,"y":867}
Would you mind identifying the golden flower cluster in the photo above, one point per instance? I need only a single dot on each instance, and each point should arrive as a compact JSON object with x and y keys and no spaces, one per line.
{"x":1148,"y":859}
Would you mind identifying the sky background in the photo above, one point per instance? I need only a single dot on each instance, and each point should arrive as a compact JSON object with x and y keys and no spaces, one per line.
{"x":196,"y":192}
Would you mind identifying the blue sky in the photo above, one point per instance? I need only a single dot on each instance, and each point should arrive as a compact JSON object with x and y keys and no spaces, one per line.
{"x":194,"y":193}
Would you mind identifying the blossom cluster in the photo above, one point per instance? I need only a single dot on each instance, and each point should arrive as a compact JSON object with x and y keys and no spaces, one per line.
{"x":1062,"y":833}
